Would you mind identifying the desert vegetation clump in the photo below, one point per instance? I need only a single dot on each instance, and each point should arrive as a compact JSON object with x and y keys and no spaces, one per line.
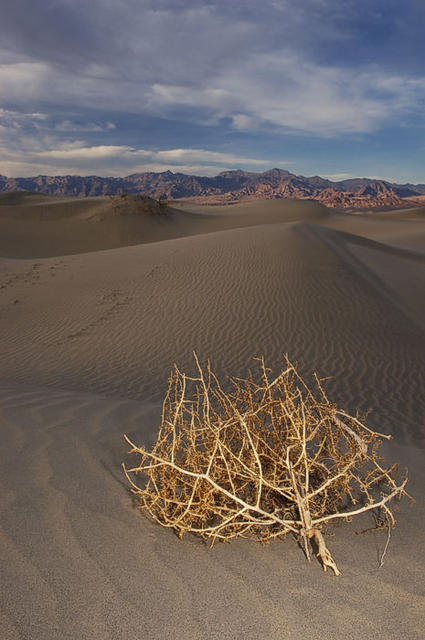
{"x":126,"y":204}
{"x":267,"y":458}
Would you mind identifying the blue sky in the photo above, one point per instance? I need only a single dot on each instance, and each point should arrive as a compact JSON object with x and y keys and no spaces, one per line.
{"x":329,"y":87}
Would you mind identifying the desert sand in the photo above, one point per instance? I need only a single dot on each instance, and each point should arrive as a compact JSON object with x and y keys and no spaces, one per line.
{"x":96,"y":305}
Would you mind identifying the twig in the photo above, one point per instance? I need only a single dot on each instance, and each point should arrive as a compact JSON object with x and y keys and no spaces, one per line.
{"x":252,"y":462}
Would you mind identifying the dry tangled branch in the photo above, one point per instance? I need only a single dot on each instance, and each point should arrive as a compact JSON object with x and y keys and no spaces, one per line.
{"x":266,"y":459}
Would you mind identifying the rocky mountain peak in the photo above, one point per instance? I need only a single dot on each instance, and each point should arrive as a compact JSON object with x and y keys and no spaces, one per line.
{"x":226,"y":187}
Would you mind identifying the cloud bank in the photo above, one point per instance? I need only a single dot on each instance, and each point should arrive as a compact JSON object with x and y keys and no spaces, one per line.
{"x":72,"y":74}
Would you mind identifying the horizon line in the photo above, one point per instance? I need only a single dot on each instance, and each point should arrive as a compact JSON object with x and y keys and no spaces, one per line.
{"x":195,"y":175}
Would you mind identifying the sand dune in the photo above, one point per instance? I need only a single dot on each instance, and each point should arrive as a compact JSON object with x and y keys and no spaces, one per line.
{"x":400,"y":228}
{"x":37,"y":226}
{"x":87,"y":341}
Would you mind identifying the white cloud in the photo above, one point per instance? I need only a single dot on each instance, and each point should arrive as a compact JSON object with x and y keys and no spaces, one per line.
{"x":290,"y":94}
{"x":118,"y":160}
{"x":242,"y":122}
{"x":282,"y":90}
{"x":204,"y":62}
{"x":67,"y":126}
{"x":17,"y":119}
{"x":243,"y":66}
{"x":172,"y":156}
{"x":23,"y":81}
{"x":27,"y":169}
{"x":202,"y":155}
{"x":338,"y":176}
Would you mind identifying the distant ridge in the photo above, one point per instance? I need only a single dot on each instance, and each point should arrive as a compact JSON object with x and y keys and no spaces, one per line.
{"x":230,"y":187}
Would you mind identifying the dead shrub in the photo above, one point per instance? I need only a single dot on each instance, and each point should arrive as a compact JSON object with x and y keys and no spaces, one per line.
{"x":265,"y":459}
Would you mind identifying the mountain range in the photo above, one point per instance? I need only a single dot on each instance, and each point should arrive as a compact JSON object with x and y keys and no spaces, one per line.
{"x":229,"y":187}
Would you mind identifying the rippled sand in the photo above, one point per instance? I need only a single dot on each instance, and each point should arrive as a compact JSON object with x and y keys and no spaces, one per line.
{"x":88,"y":337}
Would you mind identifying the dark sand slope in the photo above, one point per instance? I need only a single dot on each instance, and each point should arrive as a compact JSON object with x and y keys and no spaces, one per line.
{"x":340,"y":294}
{"x":36,"y":226}
{"x":400,"y":228}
